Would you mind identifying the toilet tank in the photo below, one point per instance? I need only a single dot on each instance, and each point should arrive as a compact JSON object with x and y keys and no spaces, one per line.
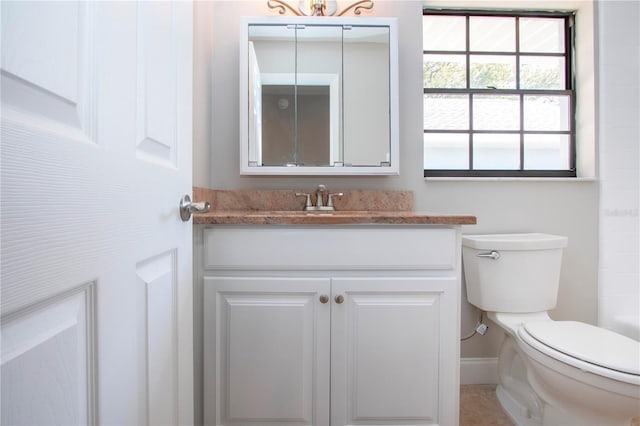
{"x":512,"y":272}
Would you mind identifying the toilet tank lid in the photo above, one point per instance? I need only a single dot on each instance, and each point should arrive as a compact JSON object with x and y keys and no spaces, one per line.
{"x":588,"y":343}
{"x":526,"y":241}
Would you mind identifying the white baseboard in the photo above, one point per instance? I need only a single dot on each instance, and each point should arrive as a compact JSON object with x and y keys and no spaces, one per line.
{"x":478,"y":371}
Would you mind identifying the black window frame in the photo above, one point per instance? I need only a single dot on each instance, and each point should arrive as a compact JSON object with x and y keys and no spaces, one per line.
{"x":568,"y":91}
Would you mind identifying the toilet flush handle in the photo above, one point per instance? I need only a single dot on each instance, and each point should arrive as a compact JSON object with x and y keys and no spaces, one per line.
{"x":492,"y":255}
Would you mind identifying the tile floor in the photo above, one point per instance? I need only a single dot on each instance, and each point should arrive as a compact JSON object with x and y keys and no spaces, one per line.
{"x":479,"y":406}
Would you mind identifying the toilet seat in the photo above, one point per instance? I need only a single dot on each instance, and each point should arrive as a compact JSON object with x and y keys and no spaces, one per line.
{"x":585,"y":347}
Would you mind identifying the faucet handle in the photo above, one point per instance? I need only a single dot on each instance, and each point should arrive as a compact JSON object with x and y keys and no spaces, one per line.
{"x":307,"y":204}
{"x":330,"y":198}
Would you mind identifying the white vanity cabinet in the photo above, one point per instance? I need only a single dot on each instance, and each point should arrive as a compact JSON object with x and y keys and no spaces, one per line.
{"x":330,"y":325}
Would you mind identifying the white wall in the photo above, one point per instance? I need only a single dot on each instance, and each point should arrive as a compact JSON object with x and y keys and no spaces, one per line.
{"x":563,"y":207}
{"x":619,"y":104}
{"x":202,"y":92}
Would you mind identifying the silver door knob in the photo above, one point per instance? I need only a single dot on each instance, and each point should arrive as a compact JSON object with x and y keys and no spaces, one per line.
{"x":187,"y":207}
{"x":339,"y":299}
{"x":324,"y":299}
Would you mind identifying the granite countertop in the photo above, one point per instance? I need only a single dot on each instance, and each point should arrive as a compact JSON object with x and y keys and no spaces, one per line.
{"x":282,"y":207}
{"x":284,"y":217}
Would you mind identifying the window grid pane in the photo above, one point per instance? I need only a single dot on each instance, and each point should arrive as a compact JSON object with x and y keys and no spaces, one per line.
{"x":542,"y":35}
{"x":497,"y":151}
{"x":547,"y":152}
{"x":446,"y":151}
{"x":518,"y":107}
{"x":492,"y":71}
{"x":547,"y":112}
{"x":492,"y":34}
{"x":444,"y":33}
{"x":542,"y":72}
{"x":446,"y":112}
{"x":444,"y":71}
{"x":496,"y":112}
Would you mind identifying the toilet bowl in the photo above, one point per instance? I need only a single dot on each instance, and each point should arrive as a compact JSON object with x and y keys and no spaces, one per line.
{"x":585,"y":374}
{"x":550,"y":372}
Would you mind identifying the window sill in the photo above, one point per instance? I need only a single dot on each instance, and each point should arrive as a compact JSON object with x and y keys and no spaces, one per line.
{"x":511,"y":179}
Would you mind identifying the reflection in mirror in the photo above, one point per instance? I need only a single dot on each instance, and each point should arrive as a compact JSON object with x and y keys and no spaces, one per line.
{"x":319,"y":97}
{"x":299,"y":115}
{"x":366,"y":119}
{"x":296,"y":93}
{"x":271,"y":51}
{"x":312,"y":131}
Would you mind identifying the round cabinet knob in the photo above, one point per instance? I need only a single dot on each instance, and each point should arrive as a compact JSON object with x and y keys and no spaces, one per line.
{"x":339,"y":299}
{"x":324,"y":299}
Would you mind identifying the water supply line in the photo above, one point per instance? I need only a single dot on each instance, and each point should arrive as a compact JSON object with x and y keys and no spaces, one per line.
{"x":480,"y":328}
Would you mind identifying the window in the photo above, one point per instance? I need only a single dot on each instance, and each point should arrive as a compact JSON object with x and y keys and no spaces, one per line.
{"x":498,"y":94}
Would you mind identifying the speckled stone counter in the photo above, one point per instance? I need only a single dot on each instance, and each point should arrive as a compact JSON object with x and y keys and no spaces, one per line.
{"x":282,"y":207}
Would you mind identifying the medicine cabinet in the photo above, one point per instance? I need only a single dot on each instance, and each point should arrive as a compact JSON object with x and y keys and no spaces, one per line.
{"x":318,"y":96}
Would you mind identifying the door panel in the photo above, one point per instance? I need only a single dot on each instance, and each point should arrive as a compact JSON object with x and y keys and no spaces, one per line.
{"x":47,"y":65}
{"x":48,"y":361}
{"x":156,"y":86}
{"x":80,"y":205}
{"x":393,"y":367}
{"x":266,"y":351}
{"x":385,"y":346}
{"x":157,"y":277}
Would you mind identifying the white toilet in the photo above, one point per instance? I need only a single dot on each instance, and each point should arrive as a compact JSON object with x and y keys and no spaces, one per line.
{"x":550,"y":372}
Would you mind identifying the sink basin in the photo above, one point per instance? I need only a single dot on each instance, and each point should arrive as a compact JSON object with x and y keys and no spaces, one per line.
{"x":341,"y":212}
{"x":304,"y":213}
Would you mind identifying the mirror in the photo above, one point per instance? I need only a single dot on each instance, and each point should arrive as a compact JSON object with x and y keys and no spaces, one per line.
{"x":319,"y":96}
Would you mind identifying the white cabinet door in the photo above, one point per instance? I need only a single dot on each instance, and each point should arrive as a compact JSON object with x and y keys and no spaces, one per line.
{"x":96,"y":267}
{"x":266,"y":346}
{"x":386,"y":350}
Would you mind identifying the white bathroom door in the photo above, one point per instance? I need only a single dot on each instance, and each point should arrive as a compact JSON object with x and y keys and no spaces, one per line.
{"x":96,"y":297}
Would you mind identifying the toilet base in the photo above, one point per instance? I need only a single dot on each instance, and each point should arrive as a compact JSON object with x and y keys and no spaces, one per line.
{"x":517,"y":398}
{"x":517,"y":413}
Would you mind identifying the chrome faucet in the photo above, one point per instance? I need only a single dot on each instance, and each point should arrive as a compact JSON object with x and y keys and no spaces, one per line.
{"x":320,"y":205}
{"x":320,"y":196}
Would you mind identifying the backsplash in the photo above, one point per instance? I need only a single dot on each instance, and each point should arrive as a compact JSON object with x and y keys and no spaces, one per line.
{"x":285,"y":199}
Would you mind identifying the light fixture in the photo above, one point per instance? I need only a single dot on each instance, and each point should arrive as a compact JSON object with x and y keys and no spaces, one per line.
{"x":283,"y":103}
{"x":319,"y":7}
